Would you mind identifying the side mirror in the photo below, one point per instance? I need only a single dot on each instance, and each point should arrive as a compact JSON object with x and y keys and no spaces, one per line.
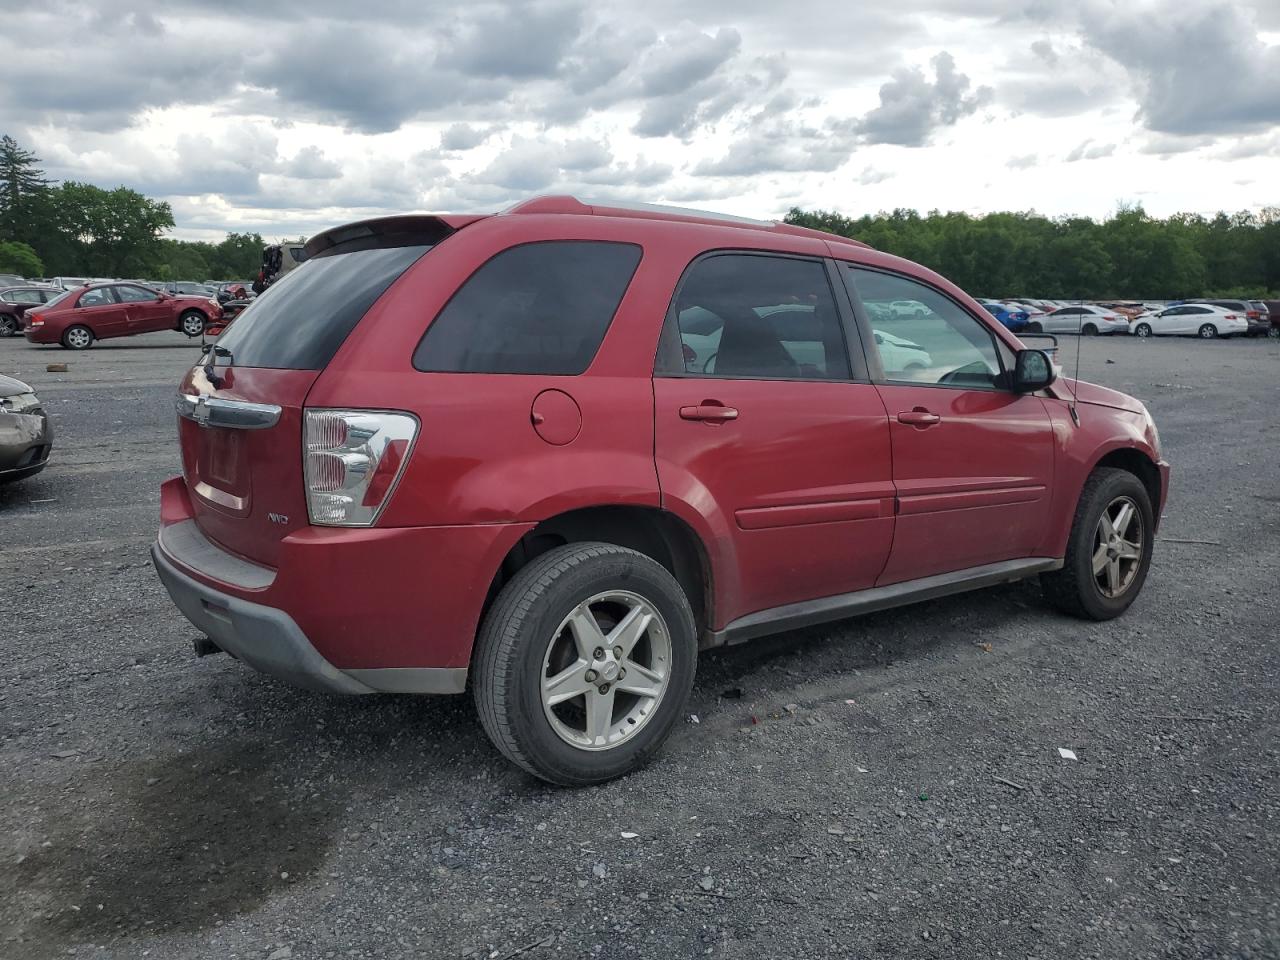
{"x":1032,"y":371}
{"x":879,"y":339}
{"x":205,"y":348}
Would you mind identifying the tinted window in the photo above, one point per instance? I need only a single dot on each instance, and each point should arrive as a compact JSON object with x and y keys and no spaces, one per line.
{"x":96,"y":297}
{"x":752,"y":316}
{"x":937,"y":342}
{"x":301,"y":320}
{"x":538,"y":308}
{"x":134,"y":295}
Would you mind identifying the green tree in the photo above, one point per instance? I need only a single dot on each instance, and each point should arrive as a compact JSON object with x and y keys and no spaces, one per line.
{"x":22,"y":186}
{"x":17,"y":257}
{"x":116,"y":231}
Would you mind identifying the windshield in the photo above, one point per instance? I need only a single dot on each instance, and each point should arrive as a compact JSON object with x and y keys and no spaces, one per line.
{"x":300,"y":321}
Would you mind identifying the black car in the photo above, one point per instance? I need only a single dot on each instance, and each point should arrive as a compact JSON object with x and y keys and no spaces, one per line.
{"x":14,"y":302}
{"x":25,"y":434}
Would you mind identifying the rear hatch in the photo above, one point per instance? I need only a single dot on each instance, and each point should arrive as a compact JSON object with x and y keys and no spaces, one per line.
{"x":241,"y":408}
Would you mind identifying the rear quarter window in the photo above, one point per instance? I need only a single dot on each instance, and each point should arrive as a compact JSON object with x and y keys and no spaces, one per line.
{"x":301,"y":320}
{"x":539,"y":308}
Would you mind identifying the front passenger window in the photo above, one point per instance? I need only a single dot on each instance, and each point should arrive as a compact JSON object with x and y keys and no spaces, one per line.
{"x":924,"y":337}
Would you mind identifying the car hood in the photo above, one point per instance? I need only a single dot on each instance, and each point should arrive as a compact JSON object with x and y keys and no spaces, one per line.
{"x":10,"y":387}
{"x":1086,"y":392}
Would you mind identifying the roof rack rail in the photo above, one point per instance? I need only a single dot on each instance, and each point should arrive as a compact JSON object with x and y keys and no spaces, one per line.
{"x":563,"y":204}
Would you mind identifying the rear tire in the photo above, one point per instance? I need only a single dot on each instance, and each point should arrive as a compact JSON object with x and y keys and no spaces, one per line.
{"x":191,"y":323}
{"x":77,"y":338}
{"x":1034,"y":327}
{"x":1089,"y":330}
{"x":541,"y":626}
{"x":1208,"y":332}
{"x":1142,"y":330}
{"x":1084,"y":586}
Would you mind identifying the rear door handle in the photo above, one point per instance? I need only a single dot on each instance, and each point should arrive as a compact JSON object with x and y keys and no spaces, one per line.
{"x":712,"y":411}
{"x":919,"y":417}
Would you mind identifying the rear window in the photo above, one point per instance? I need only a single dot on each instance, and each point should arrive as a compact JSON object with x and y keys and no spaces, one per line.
{"x":540,"y":308}
{"x":300,"y":321}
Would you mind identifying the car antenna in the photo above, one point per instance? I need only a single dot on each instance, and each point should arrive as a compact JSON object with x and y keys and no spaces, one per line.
{"x":1074,"y":406}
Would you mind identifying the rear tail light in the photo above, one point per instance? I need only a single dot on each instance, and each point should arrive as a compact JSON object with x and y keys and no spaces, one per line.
{"x":36,"y":320}
{"x":1229,"y":316}
{"x":354,"y":459}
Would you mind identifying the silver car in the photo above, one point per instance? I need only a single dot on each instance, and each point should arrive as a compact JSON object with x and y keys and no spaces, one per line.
{"x":26,"y":438}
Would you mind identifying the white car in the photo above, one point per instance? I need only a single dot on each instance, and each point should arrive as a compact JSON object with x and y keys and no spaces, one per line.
{"x":1192,"y":319}
{"x":1085,"y":318}
{"x":900,"y":355}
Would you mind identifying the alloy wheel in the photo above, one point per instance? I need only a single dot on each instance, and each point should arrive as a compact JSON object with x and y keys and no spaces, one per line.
{"x":79,"y":338}
{"x":1117,"y":552}
{"x":193,"y":324}
{"x":606,"y":669}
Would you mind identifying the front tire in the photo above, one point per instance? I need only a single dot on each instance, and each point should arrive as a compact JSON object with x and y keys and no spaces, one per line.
{"x":8,"y":326}
{"x":192,"y":323}
{"x":1273,"y":332}
{"x":1142,"y":330}
{"x":77,"y":338}
{"x":1208,"y":332}
{"x":1034,"y":327}
{"x":1109,"y":552}
{"x":584,"y":663}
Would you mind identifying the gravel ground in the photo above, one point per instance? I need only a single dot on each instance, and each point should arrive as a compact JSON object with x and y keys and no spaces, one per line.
{"x":888,"y":786}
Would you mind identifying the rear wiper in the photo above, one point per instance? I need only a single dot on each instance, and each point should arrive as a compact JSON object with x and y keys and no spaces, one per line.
{"x":213,"y":352}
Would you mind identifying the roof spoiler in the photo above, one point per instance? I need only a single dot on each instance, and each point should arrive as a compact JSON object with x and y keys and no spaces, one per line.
{"x":399,"y":231}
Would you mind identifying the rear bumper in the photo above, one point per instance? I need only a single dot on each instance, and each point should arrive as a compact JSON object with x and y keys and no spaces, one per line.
{"x":263,"y":637}
{"x":346,"y":610}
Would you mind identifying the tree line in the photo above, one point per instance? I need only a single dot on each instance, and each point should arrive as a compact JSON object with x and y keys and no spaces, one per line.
{"x":75,"y":229}
{"x":1128,"y":255}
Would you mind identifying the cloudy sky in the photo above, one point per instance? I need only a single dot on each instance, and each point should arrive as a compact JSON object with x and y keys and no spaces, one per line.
{"x":286,"y":117}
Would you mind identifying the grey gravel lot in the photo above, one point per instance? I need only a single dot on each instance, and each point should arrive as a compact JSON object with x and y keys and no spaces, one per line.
{"x":884,"y":787}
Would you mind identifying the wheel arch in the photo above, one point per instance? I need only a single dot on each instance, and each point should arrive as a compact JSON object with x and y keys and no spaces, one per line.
{"x":652,"y":531}
{"x":1140,"y":464}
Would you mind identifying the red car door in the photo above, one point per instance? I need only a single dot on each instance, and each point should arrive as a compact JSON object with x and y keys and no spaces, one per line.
{"x":98,"y":310}
{"x":768,"y":436}
{"x":145,"y":309}
{"x":972,"y":461}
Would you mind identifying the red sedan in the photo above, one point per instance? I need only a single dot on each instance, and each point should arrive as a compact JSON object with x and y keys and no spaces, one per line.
{"x":99,"y":311}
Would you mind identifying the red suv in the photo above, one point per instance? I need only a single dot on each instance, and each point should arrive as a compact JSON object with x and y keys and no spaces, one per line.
{"x":551,"y":453}
{"x":79,"y":317}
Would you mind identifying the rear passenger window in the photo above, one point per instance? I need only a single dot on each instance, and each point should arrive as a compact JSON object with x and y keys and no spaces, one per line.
{"x":743,"y":315}
{"x":540,"y":308}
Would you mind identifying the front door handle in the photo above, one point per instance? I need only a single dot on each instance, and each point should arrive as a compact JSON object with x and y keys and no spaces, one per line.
{"x":919,"y":417}
{"x":711,"y":411}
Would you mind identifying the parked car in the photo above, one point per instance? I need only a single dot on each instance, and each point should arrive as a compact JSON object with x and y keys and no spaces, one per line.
{"x":79,"y":317}
{"x":1204,"y":320}
{"x":1273,"y":311}
{"x":11,"y":280}
{"x":15,"y":301}
{"x":26,"y":438}
{"x":1012,"y":318}
{"x":1033,"y":312}
{"x":1259,"y":321}
{"x":1083,"y":318}
{"x":68,"y":283}
{"x":442,"y":454}
{"x":189,"y":288}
